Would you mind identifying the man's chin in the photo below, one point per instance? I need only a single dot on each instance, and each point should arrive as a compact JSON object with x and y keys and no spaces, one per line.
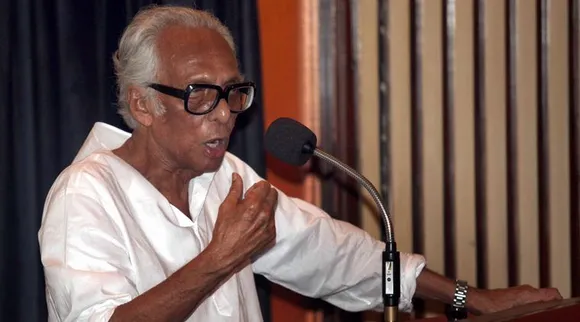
{"x":213,"y":164}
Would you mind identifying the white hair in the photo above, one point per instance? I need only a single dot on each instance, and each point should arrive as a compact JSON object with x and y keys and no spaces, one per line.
{"x":136,"y":59}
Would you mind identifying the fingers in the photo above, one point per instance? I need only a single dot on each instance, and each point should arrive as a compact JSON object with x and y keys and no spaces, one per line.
{"x":236,"y":190}
{"x":272,"y":199}
{"x":266,"y":203}
{"x":260,"y":200}
{"x":258,"y":191}
{"x":551,"y":294}
{"x":541,"y":294}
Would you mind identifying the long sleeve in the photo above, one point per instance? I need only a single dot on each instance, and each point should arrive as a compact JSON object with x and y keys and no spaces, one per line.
{"x":320,"y":257}
{"x":87,"y":270}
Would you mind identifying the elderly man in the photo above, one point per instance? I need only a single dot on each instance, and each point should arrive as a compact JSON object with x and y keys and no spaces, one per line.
{"x":164,"y":225}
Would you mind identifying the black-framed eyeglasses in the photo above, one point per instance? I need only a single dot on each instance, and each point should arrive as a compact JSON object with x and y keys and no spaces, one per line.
{"x":200,"y":99}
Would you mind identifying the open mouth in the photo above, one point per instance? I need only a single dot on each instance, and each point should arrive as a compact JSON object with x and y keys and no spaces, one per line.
{"x":216,"y":143}
{"x":216,"y":148}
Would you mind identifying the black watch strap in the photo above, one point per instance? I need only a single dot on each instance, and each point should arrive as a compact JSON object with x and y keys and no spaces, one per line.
{"x":460,"y":297}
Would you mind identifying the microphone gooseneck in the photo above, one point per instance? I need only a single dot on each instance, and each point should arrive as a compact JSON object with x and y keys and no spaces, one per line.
{"x":367,"y":185}
{"x":293,"y":143}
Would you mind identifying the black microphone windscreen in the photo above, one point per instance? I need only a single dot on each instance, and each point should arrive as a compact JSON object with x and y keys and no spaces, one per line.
{"x":290,"y":141}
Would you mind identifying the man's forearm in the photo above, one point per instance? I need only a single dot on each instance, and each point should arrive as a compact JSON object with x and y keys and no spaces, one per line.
{"x":433,"y":286}
{"x":179,"y":295}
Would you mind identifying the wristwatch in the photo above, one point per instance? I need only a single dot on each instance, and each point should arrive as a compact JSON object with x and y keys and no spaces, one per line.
{"x":458,"y":310}
{"x":460,"y":297}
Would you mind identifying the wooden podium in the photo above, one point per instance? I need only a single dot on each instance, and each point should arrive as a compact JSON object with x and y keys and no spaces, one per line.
{"x":566,"y":310}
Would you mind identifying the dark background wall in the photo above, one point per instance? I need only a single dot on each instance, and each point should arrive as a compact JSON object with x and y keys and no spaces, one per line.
{"x":56,"y":81}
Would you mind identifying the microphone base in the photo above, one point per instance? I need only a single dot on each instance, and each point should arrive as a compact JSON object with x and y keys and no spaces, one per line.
{"x":391,"y":314}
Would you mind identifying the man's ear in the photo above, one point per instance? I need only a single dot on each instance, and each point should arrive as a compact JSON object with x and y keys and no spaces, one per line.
{"x":140,"y":108}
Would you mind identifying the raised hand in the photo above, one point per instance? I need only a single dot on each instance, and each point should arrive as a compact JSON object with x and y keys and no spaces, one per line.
{"x":245,"y":226}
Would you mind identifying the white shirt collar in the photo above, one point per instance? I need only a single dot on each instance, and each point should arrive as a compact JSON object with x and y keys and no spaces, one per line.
{"x":103,"y":138}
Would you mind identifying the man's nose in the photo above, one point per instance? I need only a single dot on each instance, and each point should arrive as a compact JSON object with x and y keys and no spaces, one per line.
{"x":222,"y":112}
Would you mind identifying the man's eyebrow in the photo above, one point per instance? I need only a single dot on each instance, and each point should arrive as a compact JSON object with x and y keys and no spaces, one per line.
{"x":199,"y":79}
{"x":207,"y":80}
{"x":235,"y":79}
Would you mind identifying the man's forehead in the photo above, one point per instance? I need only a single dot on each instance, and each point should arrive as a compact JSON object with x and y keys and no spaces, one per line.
{"x":196,"y":54}
{"x":191,"y":44}
{"x":192,"y":67}
{"x":198,"y":38}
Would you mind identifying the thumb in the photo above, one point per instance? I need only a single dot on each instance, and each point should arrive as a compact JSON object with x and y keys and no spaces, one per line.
{"x":236,"y":189}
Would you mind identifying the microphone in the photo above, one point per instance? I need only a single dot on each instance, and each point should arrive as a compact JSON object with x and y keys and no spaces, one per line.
{"x":291,"y":142}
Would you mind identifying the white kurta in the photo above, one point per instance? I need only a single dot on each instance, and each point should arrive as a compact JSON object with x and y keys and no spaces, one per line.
{"x":108,"y":235}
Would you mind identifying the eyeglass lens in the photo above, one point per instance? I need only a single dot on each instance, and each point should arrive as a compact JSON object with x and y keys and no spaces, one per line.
{"x":203,"y":99}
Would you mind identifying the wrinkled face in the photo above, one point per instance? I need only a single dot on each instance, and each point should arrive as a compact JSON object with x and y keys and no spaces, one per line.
{"x":187,"y":56}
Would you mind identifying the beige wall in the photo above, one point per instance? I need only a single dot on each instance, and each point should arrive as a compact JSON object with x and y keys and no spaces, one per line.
{"x":463,"y":131}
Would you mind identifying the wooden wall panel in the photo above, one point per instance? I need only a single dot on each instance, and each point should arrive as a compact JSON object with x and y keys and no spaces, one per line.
{"x":494,"y":98}
{"x":482,"y":135}
{"x":400,"y":110}
{"x":464,"y":135}
{"x":432,"y":131}
{"x":558,"y":146}
{"x":481,"y":98}
{"x":526,"y":144}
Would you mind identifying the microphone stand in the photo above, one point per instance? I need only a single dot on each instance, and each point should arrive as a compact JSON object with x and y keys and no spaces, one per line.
{"x":391,"y":263}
